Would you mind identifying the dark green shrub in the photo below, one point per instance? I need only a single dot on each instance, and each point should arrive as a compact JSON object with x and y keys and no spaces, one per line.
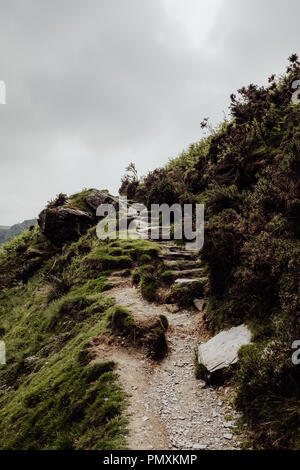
{"x":268,"y":394}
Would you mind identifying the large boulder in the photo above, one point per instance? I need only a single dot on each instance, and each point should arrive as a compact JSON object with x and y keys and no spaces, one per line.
{"x":64,"y":224}
{"x":65,"y":220}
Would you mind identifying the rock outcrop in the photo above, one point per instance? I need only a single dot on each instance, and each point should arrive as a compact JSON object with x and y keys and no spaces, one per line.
{"x":96,"y":198}
{"x":64,"y":224}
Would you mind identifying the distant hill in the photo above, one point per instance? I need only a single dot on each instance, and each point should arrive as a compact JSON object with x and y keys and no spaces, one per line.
{"x":8,"y":233}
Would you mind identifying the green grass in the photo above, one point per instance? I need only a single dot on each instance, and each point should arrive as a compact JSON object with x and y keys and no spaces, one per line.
{"x":138,"y":272}
{"x":58,"y":402}
{"x":51,"y":398}
{"x":149,"y":286}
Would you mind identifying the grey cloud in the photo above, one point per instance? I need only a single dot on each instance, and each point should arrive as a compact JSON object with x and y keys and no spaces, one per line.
{"x":92,"y":85}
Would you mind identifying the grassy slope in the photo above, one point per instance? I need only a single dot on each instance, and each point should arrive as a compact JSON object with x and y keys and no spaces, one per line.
{"x":50,"y":398}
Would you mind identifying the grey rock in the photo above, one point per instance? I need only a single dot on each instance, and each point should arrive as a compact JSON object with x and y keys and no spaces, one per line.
{"x":222,"y":350}
{"x":187,"y":281}
{"x":199,"y":446}
{"x":199,"y":304}
{"x":63,"y":224}
{"x":96,"y":198}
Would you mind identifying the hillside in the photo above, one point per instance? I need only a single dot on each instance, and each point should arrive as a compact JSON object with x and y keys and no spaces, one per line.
{"x":8,"y":233}
{"x":69,"y":309}
{"x":246,"y":173}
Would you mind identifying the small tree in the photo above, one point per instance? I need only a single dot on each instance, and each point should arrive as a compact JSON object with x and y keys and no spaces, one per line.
{"x":130,"y":181}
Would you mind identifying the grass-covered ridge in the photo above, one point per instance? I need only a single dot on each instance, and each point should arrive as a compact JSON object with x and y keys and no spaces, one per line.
{"x":247,"y":175}
{"x":50,"y":397}
{"x":8,"y":233}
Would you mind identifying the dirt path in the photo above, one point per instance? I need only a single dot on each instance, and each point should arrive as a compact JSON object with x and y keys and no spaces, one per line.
{"x":169,"y":408}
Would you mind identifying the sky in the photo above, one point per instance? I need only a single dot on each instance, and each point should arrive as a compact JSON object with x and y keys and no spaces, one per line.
{"x":93,"y":85}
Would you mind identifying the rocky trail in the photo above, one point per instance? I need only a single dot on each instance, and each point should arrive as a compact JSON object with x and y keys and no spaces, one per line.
{"x":169,"y":408}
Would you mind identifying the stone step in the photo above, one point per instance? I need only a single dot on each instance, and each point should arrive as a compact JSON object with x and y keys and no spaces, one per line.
{"x":190,"y":281}
{"x":173,"y":255}
{"x":181,"y":265}
{"x":169,"y":247}
{"x":160,"y":229}
{"x":187,"y":272}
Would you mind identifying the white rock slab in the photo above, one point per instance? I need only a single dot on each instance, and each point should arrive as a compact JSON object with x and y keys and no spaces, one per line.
{"x":186,"y":281}
{"x":222,"y":350}
{"x":190,"y":281}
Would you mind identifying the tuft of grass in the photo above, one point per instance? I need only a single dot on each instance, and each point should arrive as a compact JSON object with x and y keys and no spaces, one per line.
{"x":149,"y":286}
{"x":183,"y":295}
{"x":144,"y":259}
{"x":138,"y":272}
{"x":201,"y":372}
{"x":167,"y":277}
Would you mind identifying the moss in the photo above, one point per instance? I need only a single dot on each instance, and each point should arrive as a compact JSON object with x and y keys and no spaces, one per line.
{"x":144,"y":259}
{"x":78,"y":200}
{"x":149,"y":286}
{"x":58,"y":401}
{"x":105,"y":262}
{"x":93,"y":372}
{"x":138,"y":272}
{"x":183,"y":295}
{"x":60,"y":396}
{"x":120,"y":320}
{"x":167,"y":277}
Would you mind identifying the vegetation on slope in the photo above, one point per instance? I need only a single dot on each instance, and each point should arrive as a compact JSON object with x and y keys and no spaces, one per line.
{"x":247,"y":175}
{"x":50,"y":395}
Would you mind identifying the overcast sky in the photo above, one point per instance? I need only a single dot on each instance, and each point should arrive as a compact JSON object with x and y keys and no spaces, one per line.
{"x":95,"y":84}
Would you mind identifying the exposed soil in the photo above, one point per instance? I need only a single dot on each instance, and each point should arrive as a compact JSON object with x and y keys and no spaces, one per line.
{"x":169,"y":408}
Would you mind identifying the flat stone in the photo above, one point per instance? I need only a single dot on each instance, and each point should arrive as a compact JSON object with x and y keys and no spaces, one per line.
{"x":229,"y":424}
{"x":187,"y":272}
{"x":199,"y":446}
{"x":2,"y":352}
{"x":178,"y":254}
{"x":199,"y":304}
{"x":222,"y":350}
{"x":186,"y":281}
